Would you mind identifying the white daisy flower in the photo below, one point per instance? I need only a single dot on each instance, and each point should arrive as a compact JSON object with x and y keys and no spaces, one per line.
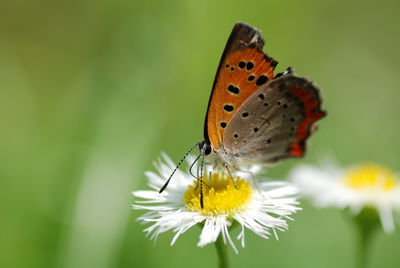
{"x":363,"y":186}
{"x":262,"y":209}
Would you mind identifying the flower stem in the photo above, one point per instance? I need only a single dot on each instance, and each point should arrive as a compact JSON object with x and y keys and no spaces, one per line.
{"x":364,"y":238}
{"x":367,"y":222}
{"x":222,"y":253}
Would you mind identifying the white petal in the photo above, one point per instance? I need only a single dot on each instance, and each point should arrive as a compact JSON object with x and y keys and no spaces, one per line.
{"x":386,"y":216}
{"x":268,"y":208}
{"x":326,"y":188}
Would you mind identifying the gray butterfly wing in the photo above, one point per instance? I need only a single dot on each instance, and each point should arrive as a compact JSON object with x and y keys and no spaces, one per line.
{"x":274,"y":122}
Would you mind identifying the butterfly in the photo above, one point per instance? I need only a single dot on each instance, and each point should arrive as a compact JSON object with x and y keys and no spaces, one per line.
{"x":254,"y":116}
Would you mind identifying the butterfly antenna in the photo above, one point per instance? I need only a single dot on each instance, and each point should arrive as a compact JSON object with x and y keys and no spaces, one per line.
{"x":201,"y":194}
{"x":177,"y":166}
{"x":202,"y":167}
{"x":201,"y":182}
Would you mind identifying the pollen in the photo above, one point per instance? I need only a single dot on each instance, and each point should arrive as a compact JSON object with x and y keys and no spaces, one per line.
{"x":223,"y":195}
{"x":371,"y":176}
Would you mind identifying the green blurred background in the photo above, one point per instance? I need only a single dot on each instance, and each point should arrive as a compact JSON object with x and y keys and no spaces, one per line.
{"x":92,"y":91}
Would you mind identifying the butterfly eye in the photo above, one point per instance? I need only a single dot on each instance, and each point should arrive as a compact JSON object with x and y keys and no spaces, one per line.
{"x":207,"y":149}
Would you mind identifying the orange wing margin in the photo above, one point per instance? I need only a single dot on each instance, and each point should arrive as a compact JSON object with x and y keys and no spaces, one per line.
{"x":243,"y":68}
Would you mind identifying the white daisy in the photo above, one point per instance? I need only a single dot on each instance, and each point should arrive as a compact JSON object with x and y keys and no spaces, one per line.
{"x":262,"y":209}
{"x":355,"y":188}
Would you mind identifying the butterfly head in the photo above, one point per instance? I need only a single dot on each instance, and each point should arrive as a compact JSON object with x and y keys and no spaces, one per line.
{"x":205,"y":147}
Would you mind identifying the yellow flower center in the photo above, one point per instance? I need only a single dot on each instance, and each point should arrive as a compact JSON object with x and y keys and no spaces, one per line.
{"x":220,"y":196}
{"x":371,"y":176}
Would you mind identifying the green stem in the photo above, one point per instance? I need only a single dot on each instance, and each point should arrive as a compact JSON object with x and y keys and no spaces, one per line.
{"x":367,"y":222}
{"x":222,"y":253}
{"x":364,"y":239}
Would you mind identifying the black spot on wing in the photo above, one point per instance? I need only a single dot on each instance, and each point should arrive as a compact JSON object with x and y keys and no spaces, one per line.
{"x":245,"y":114}
{"x":274,"y":63}
{"x":233,"y":89}
{"x":249,"y":66}
{"x":228,"y":107}
{"x":261,"y":80}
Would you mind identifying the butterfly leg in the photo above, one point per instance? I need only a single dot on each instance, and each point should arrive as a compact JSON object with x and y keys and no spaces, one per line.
{"x":200,"y":179}
{"x":200,"y":171}
{"x":253,"y":179}
{"x":230,"y":175}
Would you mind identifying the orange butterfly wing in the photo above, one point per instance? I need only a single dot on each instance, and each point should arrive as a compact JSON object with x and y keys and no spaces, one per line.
{"x":243,"y":68}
